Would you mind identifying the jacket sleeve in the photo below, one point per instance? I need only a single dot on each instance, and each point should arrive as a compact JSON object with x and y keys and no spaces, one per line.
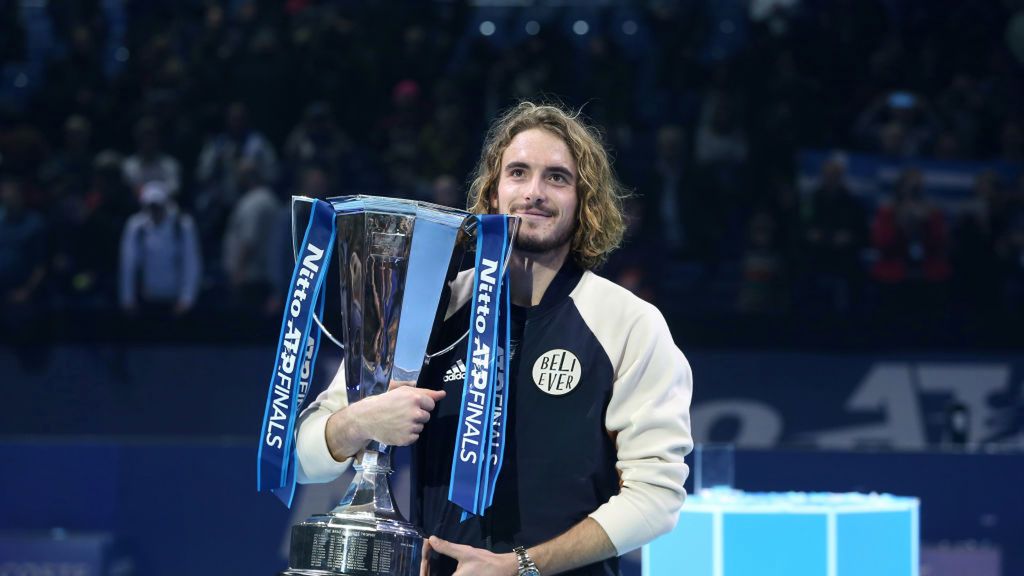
{"x":315,"y":463}
{"x":649,"y":417}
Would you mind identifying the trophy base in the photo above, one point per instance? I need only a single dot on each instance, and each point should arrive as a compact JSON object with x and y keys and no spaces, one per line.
{"x":354,"y":544}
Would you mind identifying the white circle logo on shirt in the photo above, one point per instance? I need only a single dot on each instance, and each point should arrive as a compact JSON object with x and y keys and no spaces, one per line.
{"x":557,"y":372}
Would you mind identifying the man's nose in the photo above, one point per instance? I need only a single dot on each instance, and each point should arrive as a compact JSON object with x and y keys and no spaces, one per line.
{"x":534,"y":192}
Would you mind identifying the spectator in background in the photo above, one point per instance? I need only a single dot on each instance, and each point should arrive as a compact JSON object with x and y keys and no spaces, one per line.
{"x":149,"y":163}
{"x":910,"y":237}
{"x":400,"y":130}
{"x":66,"y":177}
{"x":976,"y":281}
{"x":635,"y":266}
{"x":962,"y":105}
{"x":93,"y":248}
{"x":316,"y":140}
{"x":247,"y":249}
{"x":834,"y":234}
{"x":721,"y":140}
{"x":314,"y":181}
{"x":720,"y":157}
{"x":897,"y":124}
{"x":23,"y":270}
{"x":23,"y":150}
{"x":443,"y":144}
{"x":764,"y":288}
{"x":665,"y":193}
{"x":217,"y":173}
{"x":23,"y":251}
{"x":68,"y":171}
{"x":160,"y":260}
{"x":86,"y":233}
{"x":73,"y":81}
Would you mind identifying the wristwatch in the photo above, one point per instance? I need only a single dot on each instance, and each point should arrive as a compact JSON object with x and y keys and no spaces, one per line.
{"x":526,"y":565}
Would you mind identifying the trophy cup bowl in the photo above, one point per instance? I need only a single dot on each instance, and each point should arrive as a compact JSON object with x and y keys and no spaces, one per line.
{"x":386,"y":248}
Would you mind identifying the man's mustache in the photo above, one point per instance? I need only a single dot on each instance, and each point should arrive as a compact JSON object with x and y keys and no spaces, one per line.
{"x":522,"y":208}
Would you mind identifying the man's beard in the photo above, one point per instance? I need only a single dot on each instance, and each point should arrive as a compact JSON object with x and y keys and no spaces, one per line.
{"x":532,"y":245}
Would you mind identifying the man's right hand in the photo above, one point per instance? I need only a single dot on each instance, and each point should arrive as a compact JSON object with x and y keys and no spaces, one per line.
{"x":395,"y":418}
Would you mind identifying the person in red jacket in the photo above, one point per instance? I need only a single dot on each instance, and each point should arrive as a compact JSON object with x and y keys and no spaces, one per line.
{"x":910,"y":237}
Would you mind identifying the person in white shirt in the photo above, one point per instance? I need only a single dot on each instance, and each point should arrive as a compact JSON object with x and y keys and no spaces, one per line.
{"x":161,"y":265}
{"x":218,"y":173}
{"x":247,"y":241}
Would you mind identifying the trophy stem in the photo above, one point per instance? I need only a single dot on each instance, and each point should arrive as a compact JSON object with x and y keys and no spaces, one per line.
{"x":370,"y":493}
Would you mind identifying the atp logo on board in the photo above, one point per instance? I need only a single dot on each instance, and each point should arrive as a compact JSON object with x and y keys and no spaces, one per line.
{"x":557,"y":372}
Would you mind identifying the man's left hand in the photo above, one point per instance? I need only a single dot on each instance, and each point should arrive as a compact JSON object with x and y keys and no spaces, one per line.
{"x":476,"y":561}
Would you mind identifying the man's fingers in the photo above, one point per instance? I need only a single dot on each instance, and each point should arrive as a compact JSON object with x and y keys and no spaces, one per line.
{"x":421,"y":417}
{"x":447,"y":548}
{"x":425,"y":559}
{"x":429,"y":398}
{"x":400,"y":383}
{"x":440,"y":545}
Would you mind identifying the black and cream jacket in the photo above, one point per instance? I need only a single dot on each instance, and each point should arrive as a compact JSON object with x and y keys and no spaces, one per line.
{"x":598,"y":422}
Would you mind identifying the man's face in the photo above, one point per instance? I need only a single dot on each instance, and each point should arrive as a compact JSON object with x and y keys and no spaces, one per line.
{"x":538,"y":184}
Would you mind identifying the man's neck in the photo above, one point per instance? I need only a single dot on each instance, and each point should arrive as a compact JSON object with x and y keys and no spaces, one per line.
{"x":531,"y":273}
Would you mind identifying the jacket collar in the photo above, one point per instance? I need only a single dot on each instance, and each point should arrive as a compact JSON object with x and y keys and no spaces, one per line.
{"x":561,"y":286}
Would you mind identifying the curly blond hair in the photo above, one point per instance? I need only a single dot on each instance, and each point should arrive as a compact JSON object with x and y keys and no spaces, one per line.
{"x":599,"y":219}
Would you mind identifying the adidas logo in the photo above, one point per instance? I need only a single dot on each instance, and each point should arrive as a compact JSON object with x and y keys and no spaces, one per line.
{"x":456,"y":372}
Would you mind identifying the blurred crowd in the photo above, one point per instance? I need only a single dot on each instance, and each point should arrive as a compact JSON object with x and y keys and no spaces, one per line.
{"x":148,"y":149}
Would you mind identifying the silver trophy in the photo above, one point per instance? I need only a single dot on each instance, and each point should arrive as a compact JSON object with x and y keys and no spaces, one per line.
{"x":386,"y":249}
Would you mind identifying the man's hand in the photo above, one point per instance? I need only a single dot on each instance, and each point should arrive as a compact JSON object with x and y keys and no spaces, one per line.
{"x":395,"y":418}
{"x":474,"y":561}
{"x":583,"y":544}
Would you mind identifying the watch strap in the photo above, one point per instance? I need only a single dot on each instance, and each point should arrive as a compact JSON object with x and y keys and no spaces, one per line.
{"x":526,"y":564}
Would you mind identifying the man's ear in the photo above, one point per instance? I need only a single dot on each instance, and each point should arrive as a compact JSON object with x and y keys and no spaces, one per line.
{"x":493,"y":204}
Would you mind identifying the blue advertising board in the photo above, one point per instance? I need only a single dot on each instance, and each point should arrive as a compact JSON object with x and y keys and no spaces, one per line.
{"x":850,"y":401}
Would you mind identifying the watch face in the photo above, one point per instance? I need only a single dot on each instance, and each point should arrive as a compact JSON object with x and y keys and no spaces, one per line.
{"x":529,"y":572}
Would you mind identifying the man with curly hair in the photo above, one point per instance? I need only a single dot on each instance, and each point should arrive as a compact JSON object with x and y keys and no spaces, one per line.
{"x":598,"y":413}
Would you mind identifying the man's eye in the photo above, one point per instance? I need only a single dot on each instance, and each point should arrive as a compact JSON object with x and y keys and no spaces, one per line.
{"x":516,"y":172}
{"x":558,"y":178}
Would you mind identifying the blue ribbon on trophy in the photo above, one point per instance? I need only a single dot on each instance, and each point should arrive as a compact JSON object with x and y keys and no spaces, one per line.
{"x":295,"y":360}
{"x":501,"y":384}
{"x":480,"y":441}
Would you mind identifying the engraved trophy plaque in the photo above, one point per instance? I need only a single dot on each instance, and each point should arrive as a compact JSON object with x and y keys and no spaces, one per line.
{"x":394,"y":258}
